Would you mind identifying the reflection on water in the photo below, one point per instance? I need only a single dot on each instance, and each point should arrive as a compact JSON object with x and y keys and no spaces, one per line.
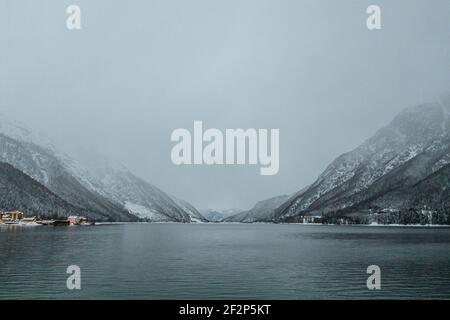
{"x":219,"y":261}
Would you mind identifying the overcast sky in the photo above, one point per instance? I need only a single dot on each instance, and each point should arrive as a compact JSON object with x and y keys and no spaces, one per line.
{"x":137,"y":70}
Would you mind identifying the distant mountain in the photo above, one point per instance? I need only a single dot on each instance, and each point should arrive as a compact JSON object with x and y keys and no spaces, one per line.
{"x":263,"y":211}
{"x":219,"y":215}
{"x":19,"y":191}
{"x":194,"y":214}
{"x":44,"y":166}
{"x":110,"y":192}
{"x":402,"y":165}
{"x":116,"y":182}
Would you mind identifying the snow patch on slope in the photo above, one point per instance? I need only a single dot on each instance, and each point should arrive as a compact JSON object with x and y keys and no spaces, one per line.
{"x":143,"y":212}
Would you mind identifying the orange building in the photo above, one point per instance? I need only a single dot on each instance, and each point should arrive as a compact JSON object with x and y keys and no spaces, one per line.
{"x":73,"y":219}
{"x":11,"y":216}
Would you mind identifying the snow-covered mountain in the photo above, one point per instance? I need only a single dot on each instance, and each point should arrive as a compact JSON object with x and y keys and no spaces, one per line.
{"x":44,"y":166}
{"x":215,"y":215}
{"x":109,"y":190}
{"x":263,"y":211}
{"x":114,"y":181}
{"x":194,"y":214}
{"x":20,"y":191}
{"x":415,"y":145}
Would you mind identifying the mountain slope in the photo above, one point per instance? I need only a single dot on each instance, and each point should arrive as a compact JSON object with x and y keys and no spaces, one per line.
{"x":413,"y":146}
{"x":111,"y":191}
{"x":194,"y":214}
{"x":432,"y":192}
{"x":20,"y":192}
{"x":116,"y":182}
{"x":219,"y":215}
{"x":42,"y":165}
{"x":263,"y":211}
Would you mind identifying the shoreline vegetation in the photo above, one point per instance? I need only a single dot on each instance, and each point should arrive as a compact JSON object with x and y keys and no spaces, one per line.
{"x":264,"y":223}
{"x":273,"y":223}
{"x":411,"y":217}
{"x":293,"y":223}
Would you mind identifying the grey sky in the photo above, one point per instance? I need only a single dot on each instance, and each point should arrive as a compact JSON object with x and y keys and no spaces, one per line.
{"x":139,"y":69}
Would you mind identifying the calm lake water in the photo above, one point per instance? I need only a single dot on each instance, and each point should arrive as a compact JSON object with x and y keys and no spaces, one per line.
{"x":224,"y":261}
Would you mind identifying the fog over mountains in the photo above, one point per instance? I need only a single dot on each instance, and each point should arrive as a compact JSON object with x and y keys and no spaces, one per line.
{"x":97,"y":188}
{"x":404,"y":165}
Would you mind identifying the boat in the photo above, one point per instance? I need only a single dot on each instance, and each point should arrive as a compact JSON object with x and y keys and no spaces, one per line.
{"x":45,"y":222}
{"x":31,"y":221}
{"x":87,"y":223}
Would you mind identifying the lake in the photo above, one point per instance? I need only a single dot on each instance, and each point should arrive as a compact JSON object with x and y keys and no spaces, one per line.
{"x":224,"y":261}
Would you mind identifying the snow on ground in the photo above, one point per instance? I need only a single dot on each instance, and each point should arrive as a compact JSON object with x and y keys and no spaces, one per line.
{"x":143,"y":212}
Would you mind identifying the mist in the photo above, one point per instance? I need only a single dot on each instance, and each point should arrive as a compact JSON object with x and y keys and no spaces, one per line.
{"x":137,"y":71}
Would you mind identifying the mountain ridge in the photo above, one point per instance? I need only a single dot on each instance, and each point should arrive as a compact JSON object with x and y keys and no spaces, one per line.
{"x":419,"y":132}
{"x":117,"y":196}
{"x":380,"y":174}
{"x":19,"y":191}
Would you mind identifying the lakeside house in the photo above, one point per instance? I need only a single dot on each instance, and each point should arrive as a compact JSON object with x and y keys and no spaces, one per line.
{"x":311,"y":219}
{"x":18,"y":217}
{"x":11,"y":216}
{"x":78,"y":220}
{"x":73,"y":219}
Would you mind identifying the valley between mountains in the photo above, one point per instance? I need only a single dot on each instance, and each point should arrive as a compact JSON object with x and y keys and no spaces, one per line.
{"x":399,"y":175}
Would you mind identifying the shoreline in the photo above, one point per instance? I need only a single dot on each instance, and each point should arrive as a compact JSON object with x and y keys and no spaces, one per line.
{"x":249,"y":223}
{"x":295,"y":223}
